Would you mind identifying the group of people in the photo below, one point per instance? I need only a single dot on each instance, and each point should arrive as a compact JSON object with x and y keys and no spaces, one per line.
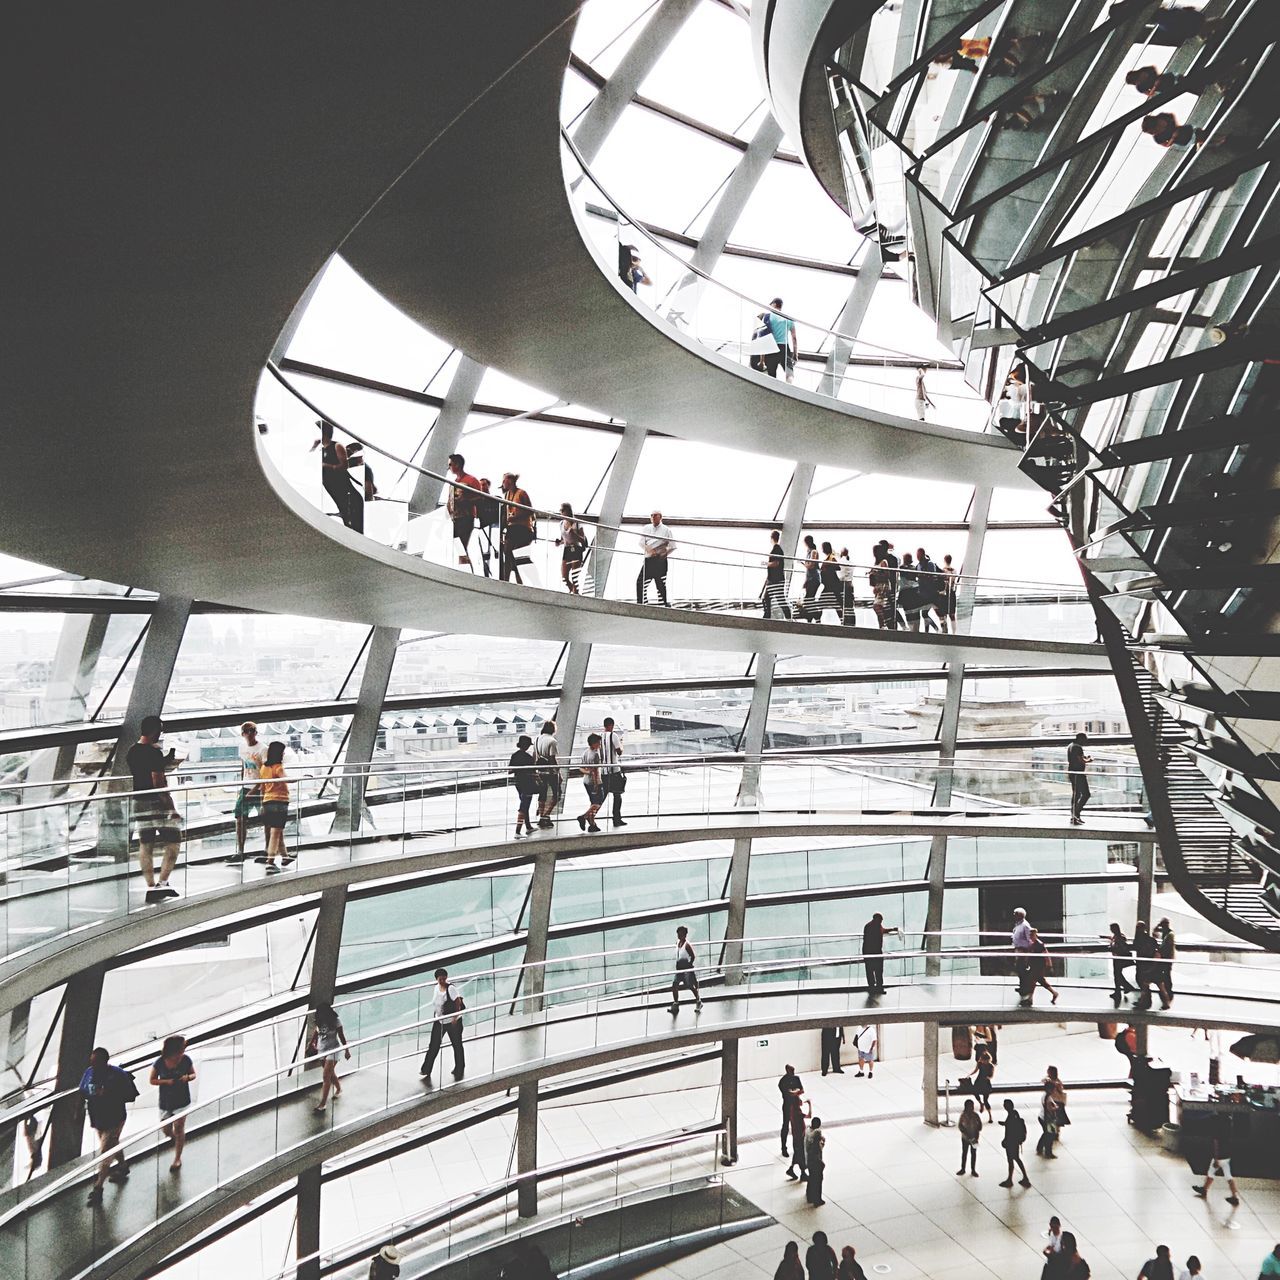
{"x":820,"y":1261}
{"x":1052,"y":1117}
{"x":1151,"y":954}
{"x":535,"y":771}
{"x":907,"y":593}
{"x":807,"y":1154}
{"x":507,"y":524}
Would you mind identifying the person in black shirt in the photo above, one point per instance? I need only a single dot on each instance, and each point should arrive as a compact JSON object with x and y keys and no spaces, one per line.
{"x":789,"y":1087}
{"x":1015,"y":1134}
{"x":1219,"y":1162}
{"x":1121,"y":959}
{"x":155,"y":818}
{"x":1146,"y":949}
{"x":1158,"y":1268}
{"x":524,"y":779}
{"x":172,"y":1072}
{"x":832,"y":1039}
{"x":775,"y":579}
{"x":1077,"y":776}
{"x":107,"y":1091}
{"x":873,"y":933}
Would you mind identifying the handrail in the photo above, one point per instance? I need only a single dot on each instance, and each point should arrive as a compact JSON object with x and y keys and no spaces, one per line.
{"x":76,"y":1172}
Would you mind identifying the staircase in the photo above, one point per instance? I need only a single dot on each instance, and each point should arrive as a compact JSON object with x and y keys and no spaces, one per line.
{"x":1209,"y":866}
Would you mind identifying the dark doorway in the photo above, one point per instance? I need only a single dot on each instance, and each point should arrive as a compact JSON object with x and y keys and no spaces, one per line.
{"x":1042,"y":903}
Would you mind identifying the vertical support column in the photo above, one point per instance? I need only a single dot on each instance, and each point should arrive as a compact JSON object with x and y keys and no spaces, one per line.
{"x":327,"y":944}
{"x":967,"y":592}
{"x":929,"y":1077}
{"x":527,"y":1148}
{"x":445,"y":435}
{"x":17,"y":1022}
{"x":363,"y":736}
{"x":729,"y":1099}
{"x":307,"y":1236}
{"x":621,"y":472}
{"x":541,"y":889}
{"x":850,"y":319}
{"x":79,"y":1028}
{"x":736,"y":915}
{"x":947,"y":735}
{"x":568,"y":708}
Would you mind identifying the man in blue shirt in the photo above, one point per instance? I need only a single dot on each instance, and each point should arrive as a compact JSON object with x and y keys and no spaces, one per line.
{"x":784,"y":334}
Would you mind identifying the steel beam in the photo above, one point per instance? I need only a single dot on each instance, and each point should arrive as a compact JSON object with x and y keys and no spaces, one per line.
{"x":979,"y":511}
{"x":362,"y":737}
{"x":729,"y":1099}
{"x":80,"y":1006}
{"x":307,"y":1237}
{"x":445,"y":435}
{"x":621,"y":473}
{"x":327,"y":944}
{"x":850,"y":319}
{"x":527,"y":1148}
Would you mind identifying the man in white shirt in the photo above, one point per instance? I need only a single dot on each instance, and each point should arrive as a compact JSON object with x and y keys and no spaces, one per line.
{"x":1020,"y":936}
{"x":615,"y":782}
{"x":448,"y":1009}
{"x":248,"y":798}
{"x":657,"y":544}
{"x":1054,"y":1236}
{"x":546,"y":758}
{"x":864,"y":1041}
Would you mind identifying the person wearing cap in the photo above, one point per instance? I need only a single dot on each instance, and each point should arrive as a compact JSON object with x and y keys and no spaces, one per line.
{"x":518,"y":524}
{"x":385,"y":1264}
{"x":249,"y":796}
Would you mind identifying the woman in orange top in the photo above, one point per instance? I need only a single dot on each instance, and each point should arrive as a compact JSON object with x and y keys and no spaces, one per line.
{"x":275,"y":805}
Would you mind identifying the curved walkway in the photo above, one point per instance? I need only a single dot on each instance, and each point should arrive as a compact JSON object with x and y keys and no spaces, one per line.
{"x":478,"y":242}
{"x":269,"y":1134}
{"x":132,"y":924}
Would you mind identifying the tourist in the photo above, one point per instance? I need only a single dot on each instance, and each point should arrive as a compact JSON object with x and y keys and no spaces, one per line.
{"x":881,"y":581}
{"x":1165,"y":130}
{"x":1175,"y":25}
{"x":1162,"y":972}
{"x":461,"y":505}
{"x":156,"y":820}
{"x":525,"y":782}
{"x":447,"y":1007}
{"x":1020,"y":936}
{"x":873,"y":936}
{"x":1145,"y":949}
{"x":1077,"y":776}
{"x":1048,"y":1125}
{"x":385,"y":1264}
{"x":1015,"y":1134}
{"x":1150,"y":80}
{"x":970,"y":1131}
{"x":630,"y":270}
{"x":519,"y":522}
{"x":591,"y":762}
{"x":789,"y":1086}
{"x":909,"y":592}
{"x":930,"y":585}
{"x":922,"y":395}
{"x":814,"y":1141}
{"x":797,"y":1111}
{"x":685,"y":974}
{"x":983,"y":1075}
{"x":574,"y":541}
{"x":335,"y":475}
{"x":783,"y":332}
{"x":810,"y":609}
{"x":775,"y":579}
{"x":790,"y":1268}
{"x":1066,"y":1264}
{"x":820,"y":1258}
{"x":829,"y":573}
{"x":615,"y":779}
{"x":832,"y":1039}
{"x":489,"y":522}
{"x":865,"y":1042}
{"x":1011,"y":410}
{"x":249,"y":793}
{"x":1053,"y":1082}
{"x":172,"y":1073}
{"x":1041,"y":966}
{"x":1270,"y":1264}
{"x":891,"y":559}
{"x":848,"y":617}
{"x":1192,"y":1270}
{"x":657,"y":544}
{"x":1219,"y":1162}
{"x":360,"y":493}
{"x":107,"y":1091}
{"x":327,"y":1038}
{"x":850,"y":1267}
{"x":1055,"y":1237}
{"x":1121,"y":959}
{"x":547,"y":759}
{"x":275,"y":806}
{"x":1158,"y":1268}
{"x":949,"y":593}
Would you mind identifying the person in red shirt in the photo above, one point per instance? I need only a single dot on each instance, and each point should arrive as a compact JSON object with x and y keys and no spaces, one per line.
{"x":462,"y":503}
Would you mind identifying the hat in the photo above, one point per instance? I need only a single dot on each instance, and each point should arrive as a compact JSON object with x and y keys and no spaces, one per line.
{"x":389,"y":1253}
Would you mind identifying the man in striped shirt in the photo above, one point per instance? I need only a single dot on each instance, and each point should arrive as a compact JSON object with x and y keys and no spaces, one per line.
{"x":611,"y":755}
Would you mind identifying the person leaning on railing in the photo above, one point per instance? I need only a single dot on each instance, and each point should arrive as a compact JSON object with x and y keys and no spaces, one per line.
{"x":657,"y":543}
{"x":518,"y":524}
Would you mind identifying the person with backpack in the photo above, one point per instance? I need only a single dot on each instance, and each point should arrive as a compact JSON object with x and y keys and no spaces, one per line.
{"x":1015,"y":1134}
{"x":522,"y":772}
{"x":107,"y":1090}
{"x":930,"y":586}
{"x":448,"y":1008}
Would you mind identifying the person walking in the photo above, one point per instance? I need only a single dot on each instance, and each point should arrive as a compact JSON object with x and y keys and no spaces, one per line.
{"x":848,"y":618}
{"x":929,"y":578}
{"x":896,"y":620}
{"x":1219,"y":1162}
{"x":335,"y":477}
{"x":790,"y":1268}
{"x":1270,"y":1264}
{"x":1055,"y":1237}
{"x":1077,"y":775}
{"x":865,"y":1042}
{"x":447,"y":1008}
{"x":983,"y":1076}
{"x":832,"y":1039}
{"x":1193,"y":1269}
{"x":1121,"y":959}
{"x":461,"y":505}
{"x":1015,"y":1134}
{"x":591,"y":762}
{"x":829,"y":574}
{"x":172,"y":1073}
{"x":107,"y":1090}
{"x":573,"y":540}
{"x":820,"y":1258}
{"x":615,"y":779}
{"x":1066,"y":1263}
{"x":951,"y":580}
{"x":489,"y":522}
{"x":685,"y":974}
{"x":1048,"y":1125}
{"x":547,"y":759}
{"x":873,"y":936}
{"x":1053,"y":1082}
{"x":909,"y":592}
{"x":521,"y":768}
{"x":657,"y":544}
{"x":811,"y":610}
{"x":155,"y":818}
{"x":922,"y":395}
{"x":327,"y":1038}
{"x":789,"y":1086}
{"x":249,"y":794}
{"x":519,"y":526}
{"x":814,"y":1142}
{"x":970,"y":1131}
{"x":850,"y":1267}
{"x":784,"y":334}
{"x":275,"y":806}
{"x":1167,"y":950}
{"x":798,"y":1110}
{"x":385,"y":1264}
{"x":775,"y":579}
{"x":1158,"y":1268}
{"x":1020,"y":937}
{"x":1041,"y":966}
{"x":1145,"y":949}
{"x":882,"y":593}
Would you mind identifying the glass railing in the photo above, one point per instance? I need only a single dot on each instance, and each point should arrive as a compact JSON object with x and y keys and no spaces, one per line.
{"x":614,"y":562}
{"x":234,"y":1138}
{"x":72,"y":863}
